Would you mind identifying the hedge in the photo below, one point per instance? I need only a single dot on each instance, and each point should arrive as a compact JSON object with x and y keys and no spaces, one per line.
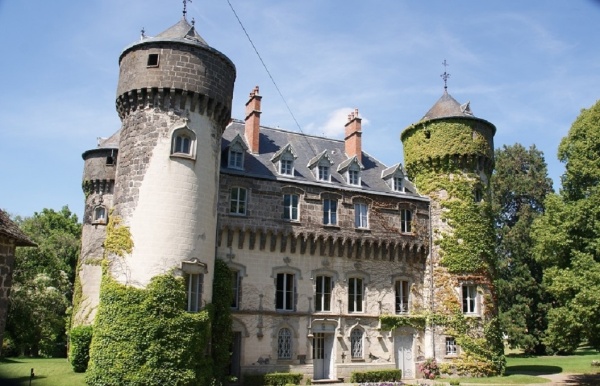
{"x":376,"y":376}
{"x":272,"y":379}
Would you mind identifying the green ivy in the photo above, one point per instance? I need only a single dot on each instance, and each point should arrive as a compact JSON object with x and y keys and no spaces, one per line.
{"x":443,"y":158}
{"x":80,"y":338}
{"x":221,"y":321}
{"x":145,"y":336}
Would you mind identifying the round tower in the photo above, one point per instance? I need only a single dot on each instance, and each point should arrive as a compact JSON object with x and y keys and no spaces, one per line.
{"x":449,"y":155}
{"x":174,"y":99}
{"x":98,"y":187}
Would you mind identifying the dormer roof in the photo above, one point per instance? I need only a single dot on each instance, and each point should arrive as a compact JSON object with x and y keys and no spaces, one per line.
{"x":343,"y":166}
{"x":316,"y":159}
{"x":286,"y":149}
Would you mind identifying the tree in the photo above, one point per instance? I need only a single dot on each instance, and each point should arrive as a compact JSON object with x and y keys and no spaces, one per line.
{"x":43,"y":282}
{"x":567,"y":240}
{"x":520,"y":184}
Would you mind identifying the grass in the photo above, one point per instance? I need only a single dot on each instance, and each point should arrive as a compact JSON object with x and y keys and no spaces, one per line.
{"x":520,"y":370}
{"x":48,"y":372}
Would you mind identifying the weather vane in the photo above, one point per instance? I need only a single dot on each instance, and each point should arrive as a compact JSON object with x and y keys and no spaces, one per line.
{"x":445,"y":75}
{"x":185,"y":6}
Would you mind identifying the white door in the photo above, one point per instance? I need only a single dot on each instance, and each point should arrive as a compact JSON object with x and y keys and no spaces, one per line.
{"x":404,"y":356}
{"x":322,"y":355}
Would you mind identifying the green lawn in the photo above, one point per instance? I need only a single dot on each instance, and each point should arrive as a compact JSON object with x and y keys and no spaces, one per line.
{"x":48,"y":372}
{"x":519,"y":371}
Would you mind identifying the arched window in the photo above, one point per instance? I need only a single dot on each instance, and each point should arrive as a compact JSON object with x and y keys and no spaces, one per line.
{"x":183,"y":143}
{"x":284,"y":344}
{"x":356,"y":343}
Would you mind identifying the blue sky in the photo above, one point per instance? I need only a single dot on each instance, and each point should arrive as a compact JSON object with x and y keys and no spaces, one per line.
{"x":529,"y":67}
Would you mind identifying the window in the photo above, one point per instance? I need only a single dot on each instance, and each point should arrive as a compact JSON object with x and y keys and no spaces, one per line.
{"x":361,"y":216}
{"x":353,"y":177}
{"x":284,"y":296}
{"x":330,"y":212}
{"x":469,"y":299}
{"x":286,"y":166}
{"x":284,"y":344}
{"x":182,"y":143}
{"x":478,"y":195}
{"x":356,"y":343}
{"x":402,"y":293}
{"x":152,"y":60}
{"x":236,"y":157}
{"x":290,"y":207}
{"x":405,"y":221}
{"x":450,"y":346}
{"x":323,"y":173}
{"x":397,"y":184}
{"x":355,"y":294}
{"x":238,"y":201}
{"x":100,"y":214}
{"x":110,"y":160}
{"x":194,"y":284}
{"x":323,"y":296}
{"x":235,"y":288}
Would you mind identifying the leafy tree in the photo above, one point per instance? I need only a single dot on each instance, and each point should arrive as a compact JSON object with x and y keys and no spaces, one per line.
{"x":222,"y":337}
{"x":520,"y":184}
{"x":43,"y":282}
{"x":567,"y":240}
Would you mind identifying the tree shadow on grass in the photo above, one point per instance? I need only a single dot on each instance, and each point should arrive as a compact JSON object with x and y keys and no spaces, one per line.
{"x":584,"y":379}
{"x":533,"y":369}
{"x":20,"y":381}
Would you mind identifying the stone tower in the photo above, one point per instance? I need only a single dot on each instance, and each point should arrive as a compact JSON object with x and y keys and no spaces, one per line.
{"x":449,"y":155}
{"x":174,"y":99}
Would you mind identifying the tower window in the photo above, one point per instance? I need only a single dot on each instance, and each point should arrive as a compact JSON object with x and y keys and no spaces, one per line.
{"x":152,"y":60}
{"x":194,"y":283}
{"x":99,"y":215}
{"x":183,"y":143}
{"x":110,"y":160}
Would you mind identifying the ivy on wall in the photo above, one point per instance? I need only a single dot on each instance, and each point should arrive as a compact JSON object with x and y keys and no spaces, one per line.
{"x":451,"y":161}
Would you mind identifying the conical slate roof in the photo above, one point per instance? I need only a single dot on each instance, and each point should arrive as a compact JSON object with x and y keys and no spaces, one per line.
{"x":181,"y":32}
{"x":447,"y":107}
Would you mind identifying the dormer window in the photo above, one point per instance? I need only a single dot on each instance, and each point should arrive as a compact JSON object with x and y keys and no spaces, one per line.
{"x":286,"y":166}
{"x":235,"y":153}
{"x":183,"y":143}
{"x":351,"y":168}
{"x":323,"y":173}
{"x":397,"y":184}
{"x":284,"y":160}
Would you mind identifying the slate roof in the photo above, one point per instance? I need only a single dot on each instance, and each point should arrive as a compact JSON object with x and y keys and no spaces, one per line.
{"x":447,"y":107}
{"x":307,"y":148}
{"x":11,"y":230}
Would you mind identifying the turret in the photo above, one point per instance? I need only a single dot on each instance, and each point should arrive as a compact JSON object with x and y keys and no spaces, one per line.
{"x":174,"y":99}
{"x":449,"y":155}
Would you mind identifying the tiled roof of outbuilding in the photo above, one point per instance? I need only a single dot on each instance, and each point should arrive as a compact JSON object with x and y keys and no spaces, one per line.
{"x":306,"y":148}
{"x":9,"y":229}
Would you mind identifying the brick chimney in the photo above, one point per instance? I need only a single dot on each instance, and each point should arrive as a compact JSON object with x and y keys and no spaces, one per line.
{"x":353,"y":136}
{"x":252,"y":128}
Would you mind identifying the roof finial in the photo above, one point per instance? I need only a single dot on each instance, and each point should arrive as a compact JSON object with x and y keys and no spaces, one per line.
{"x":445,"y":75}
{"x":193,"y":22}
{"x":143,"y":31}
{"x":185,"y":7}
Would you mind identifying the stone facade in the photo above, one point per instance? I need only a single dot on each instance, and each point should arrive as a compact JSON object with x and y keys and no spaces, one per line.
{"x":322,"y":239}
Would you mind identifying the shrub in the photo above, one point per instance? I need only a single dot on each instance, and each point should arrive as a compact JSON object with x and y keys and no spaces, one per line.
{"x":272,"y":379}
{"x":376,"y":376}
{"x":79,"y":349}
{"x":430,"y":368}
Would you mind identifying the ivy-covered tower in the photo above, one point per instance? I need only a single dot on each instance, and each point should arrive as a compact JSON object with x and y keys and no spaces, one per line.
{"x":449,"y":155}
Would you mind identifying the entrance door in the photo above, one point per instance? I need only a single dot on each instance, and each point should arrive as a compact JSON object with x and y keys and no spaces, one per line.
{"x":236,"y":349}
{"x":322,"y":355}
{"x":404,"y":356}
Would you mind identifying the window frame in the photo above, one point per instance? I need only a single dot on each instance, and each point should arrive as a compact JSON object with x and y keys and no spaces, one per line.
{"x":322,"y":297}
{"x":285,"y":344}
{"x":178,"y":139}
{"x":353,"y":176}
{"x":285,"y":297}
{"x":235,"y":288}
{"x":194,"y":295}
{"x":356,"y":295}
{"x":329,"y":214}
{"x":100,"y":220}
{"x":291,"y":209}
{"x":237,"y":206}
{"x":451,"y":347}
{"x":469,"y":297}
{"x":402,"y":296}
{"x":323,"y":172}
{"x":361,"y":220}
{"x":235,"y":157}
{"x":357,"y":348}
{"x":398,"y":184}
{"x":406,"y":217}
{"x":286,"y":165}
